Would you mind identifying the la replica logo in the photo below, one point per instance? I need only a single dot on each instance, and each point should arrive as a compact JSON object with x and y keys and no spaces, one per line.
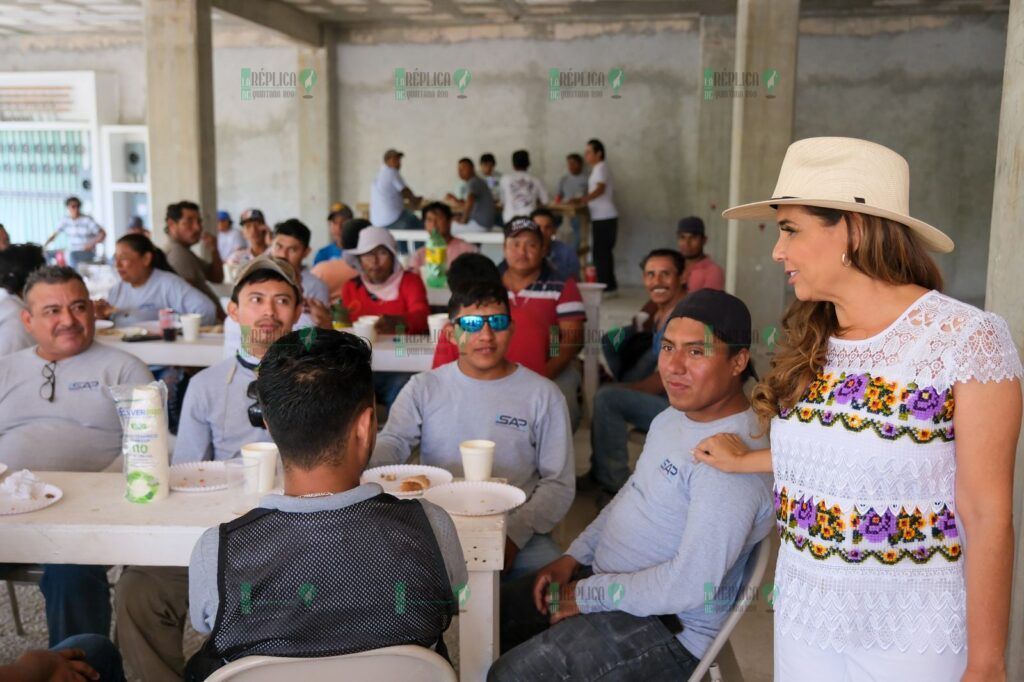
{"x":516,"y":423}
{"x":669,"y":468}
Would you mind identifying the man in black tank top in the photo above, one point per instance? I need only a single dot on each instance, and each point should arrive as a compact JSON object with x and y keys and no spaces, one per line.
{"x":330,"y":567}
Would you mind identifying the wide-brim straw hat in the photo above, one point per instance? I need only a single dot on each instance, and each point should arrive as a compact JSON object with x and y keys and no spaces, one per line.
{"x":846,"y":174}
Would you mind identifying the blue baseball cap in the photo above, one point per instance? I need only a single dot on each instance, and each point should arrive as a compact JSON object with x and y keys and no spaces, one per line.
{"x":223,"y":215}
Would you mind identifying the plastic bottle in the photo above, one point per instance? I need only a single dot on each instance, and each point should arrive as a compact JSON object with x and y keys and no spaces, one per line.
{"x":340,"y":318}
{"x":436,"y":257}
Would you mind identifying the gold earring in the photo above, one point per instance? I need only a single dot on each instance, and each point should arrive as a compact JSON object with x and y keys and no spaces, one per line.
{"x":846,"y":260}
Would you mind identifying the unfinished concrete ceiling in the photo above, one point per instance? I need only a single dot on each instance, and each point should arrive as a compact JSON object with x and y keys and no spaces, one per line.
{"x":125,"y":16}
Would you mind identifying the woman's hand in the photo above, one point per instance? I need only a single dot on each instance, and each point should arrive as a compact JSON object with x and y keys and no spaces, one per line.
{"x":723,"y":451}
{"x":103,"y":309}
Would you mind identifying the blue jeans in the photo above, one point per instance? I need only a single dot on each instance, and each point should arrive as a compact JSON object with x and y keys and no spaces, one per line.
{"x":406,"y":221}
{"x":100,"y":653}
{"x":537,"y":553}
{"x":615,"y":408}
{"x":612,"y":645}
{"x":387,"y":386}
{"x":77,"y":600}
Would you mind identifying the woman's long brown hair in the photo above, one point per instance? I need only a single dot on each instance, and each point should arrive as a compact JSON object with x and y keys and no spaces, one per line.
{"x":888,"y":252}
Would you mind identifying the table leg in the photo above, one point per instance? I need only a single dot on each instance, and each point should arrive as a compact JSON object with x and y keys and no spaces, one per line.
{"x":478,"y":627}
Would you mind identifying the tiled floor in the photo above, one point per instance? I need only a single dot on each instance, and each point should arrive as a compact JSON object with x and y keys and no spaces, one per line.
{"x":751,"y":641}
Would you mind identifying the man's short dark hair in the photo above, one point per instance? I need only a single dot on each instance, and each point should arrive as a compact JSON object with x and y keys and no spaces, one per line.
{"x":478,"y":292}
{"x":293,"y":227}
{"x":437,"y":207}
{"x":177,"y":209}
{"x":487,"y":157}
{"x":597,"y":146}
{"x":51,"y":274}
{"x":521,"y":159}
{"x":72,"y":200}
{"x":675,"y":256}
{"x":575,"y":157}
{"x":313,"y":384}
{"x":546,"y":212}
{"x":470,"y":268}
{"x":16,"y":264}
{"x":350,"y":232}
{"x":466,"y":159}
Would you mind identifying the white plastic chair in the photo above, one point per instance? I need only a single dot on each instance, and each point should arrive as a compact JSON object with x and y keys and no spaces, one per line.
{"x":406,"y":663}
{"x":752,"y":575}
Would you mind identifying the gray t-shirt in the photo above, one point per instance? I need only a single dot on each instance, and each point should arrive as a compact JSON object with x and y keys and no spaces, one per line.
{"x":573,"y":186}
{"x":202,"y":571}
{"x":214,"y":420}
{"x":483,"y":213}
{"x":314,"y":287}
{"x":523,"y":413}
{"x":80,"y":429}
{"x":675,"y":528}
{"x":162,"y":290}
{"x":190,"y":268}
{"x":13,"y":336}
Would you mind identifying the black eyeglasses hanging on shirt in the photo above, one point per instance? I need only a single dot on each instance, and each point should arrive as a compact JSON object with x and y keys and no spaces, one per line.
{"x":49,"y":387}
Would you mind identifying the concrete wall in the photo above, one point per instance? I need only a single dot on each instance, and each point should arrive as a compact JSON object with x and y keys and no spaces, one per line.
{"x":927,"y":87}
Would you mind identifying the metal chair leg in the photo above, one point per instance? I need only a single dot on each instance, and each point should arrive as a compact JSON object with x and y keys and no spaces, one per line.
{"x":15,"y":612}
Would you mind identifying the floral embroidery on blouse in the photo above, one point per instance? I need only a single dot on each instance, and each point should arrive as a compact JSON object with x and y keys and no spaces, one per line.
{"x":875,"y":403}
{"x":889,"y":537}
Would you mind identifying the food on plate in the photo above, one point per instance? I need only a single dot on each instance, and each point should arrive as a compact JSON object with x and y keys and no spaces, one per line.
{"x":414,"y":484}
{"x":389,"y":477}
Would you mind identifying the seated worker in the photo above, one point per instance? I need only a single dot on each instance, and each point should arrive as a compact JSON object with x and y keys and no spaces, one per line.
{"x":562,"y":256}
{"x":336,"y":219}
{"x":701,"y":272}
{"x":260,"y":585}
{"x":629,"y":596}
{"x":148,"y":284}
{"x":485,"y":395}
{"x":547,"y":309}
{"x":55,"y":415}
{"x":639,"y":396}
{"x":437,"y":217}
{"x":16,"y":264}
{"x":152,"y":601}
{"x":291,"y":243}
{"x":336,"y":272}
{"x":384,"y":288}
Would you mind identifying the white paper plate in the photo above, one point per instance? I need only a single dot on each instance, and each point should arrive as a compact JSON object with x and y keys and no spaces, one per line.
{"x":198,"y":477}
{"x":104,"y":324}
{"x":10,"y":505}
{"x":476,"y":498}
{"x":437,"y":476}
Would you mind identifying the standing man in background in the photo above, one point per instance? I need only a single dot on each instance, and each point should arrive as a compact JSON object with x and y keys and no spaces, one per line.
{"x":82,"y":231}
{"x":604,"y":217}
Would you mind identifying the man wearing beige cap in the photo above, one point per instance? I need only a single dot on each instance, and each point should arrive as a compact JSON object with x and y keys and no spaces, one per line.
{"x":388,"y":195}
{"x":152,"y":602}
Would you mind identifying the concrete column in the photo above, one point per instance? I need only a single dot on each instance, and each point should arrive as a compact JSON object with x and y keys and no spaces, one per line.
{"x":714,"y":126}
{"x":179,"y":107}
{"x":1005,"y":263}
{"x":316,"y":120}
{"x":762,"y":129}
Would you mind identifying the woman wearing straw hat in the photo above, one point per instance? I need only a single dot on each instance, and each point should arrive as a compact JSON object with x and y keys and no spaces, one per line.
{"x":873,"y":495}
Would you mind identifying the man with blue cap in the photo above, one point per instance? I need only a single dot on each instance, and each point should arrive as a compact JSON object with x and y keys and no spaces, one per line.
{"x":229,"y":239}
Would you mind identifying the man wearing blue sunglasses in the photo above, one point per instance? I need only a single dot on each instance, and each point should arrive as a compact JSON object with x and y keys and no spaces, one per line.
{"x":485,"y":395}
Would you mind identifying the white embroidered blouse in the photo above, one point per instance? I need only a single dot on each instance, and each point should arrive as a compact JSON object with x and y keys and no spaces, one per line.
{"x":864,"y":483}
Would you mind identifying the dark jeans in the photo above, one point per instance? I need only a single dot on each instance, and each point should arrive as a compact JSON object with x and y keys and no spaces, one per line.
{"x":616,"y":407}
{"x":77,"y":600}
{"x":604,"y":232}
{"x":593,"y":646}
{"x":100,"y":654}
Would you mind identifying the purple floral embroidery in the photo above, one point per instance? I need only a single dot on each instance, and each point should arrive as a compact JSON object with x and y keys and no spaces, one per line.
{"x":827,"y":417}
{"x":922,"y":553}
{"x":851,"y":389}
{"x":877,"y":528}
{"x":946,"y":523}
{"x":854,"y":555}
{"x":777,"y":500}
{"x":925,"y":403}
{"x":805,"y":512}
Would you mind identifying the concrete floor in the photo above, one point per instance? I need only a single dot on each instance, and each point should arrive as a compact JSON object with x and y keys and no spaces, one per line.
{"x":751,"y":641}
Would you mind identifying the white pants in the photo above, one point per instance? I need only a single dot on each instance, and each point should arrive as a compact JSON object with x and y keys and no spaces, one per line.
{"x":796,"y":661}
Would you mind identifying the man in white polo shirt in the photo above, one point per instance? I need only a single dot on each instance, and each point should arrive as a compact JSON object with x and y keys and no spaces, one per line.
{"x":152,"y":602}
{"x":388,"y":195}
{"x":82,"y":232}
{"x":56,"y":416}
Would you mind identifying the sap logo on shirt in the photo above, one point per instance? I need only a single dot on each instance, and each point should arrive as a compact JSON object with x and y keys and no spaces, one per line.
{"x":515,"y":422}
{"x":669,"y":468}
{"x":83,"y":385}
